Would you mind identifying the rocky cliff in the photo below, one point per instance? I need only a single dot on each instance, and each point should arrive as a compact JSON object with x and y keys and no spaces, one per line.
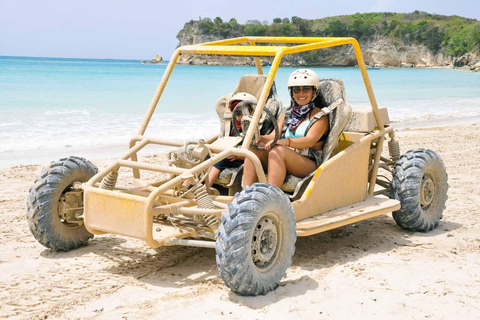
{"x":469,"y":61}
{"x":378,"y":51}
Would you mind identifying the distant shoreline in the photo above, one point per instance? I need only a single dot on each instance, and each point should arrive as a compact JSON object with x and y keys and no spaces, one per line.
{"x":165,"y":62}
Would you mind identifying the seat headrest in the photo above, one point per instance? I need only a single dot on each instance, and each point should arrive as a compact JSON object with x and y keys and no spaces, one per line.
{"x":332,"y":96}
{"x":331,"y":89}
{"x":251,"y":83}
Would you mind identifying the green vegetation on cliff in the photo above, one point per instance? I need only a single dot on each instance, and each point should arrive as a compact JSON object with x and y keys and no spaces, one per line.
{"x":450,"y":35}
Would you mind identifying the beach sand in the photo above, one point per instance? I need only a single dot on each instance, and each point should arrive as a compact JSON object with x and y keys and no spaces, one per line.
{"x":372,"y":269}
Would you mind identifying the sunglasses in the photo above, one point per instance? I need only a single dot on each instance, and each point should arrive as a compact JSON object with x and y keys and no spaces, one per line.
{"x":304,"y":89}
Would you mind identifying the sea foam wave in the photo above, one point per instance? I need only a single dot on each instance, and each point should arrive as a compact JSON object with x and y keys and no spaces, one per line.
{"x":88,"y":130}
{"x":406,"y":110}
{"x":67,"y":112}
{"x":53,"y":129}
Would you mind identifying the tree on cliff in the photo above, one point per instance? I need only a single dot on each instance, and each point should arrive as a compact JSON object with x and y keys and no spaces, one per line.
{"x":451,"y":35}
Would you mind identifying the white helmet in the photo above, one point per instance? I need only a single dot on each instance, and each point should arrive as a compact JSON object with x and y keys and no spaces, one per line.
{"x":304,"y":77}
{"x":241,"y":96}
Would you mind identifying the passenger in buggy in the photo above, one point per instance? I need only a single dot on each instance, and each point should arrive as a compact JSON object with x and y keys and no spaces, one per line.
{"x":304,"y":131}
{"x":235,"y":130}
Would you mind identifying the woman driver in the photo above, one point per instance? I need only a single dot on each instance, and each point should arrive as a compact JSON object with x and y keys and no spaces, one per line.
{"x":303,"y":134}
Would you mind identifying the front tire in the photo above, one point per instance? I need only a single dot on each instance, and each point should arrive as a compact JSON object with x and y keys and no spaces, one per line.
{"x":256,"y":240}
{"x":43,"y":216}
{"x":420,"y":184}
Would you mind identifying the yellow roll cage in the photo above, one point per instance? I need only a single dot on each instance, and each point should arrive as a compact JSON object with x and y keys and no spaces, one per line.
{"x":249,"y":46}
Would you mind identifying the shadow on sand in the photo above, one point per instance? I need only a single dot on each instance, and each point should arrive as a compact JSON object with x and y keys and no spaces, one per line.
{"x":177,"y":267}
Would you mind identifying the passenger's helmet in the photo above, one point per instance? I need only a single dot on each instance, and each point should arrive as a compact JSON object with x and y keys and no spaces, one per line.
{"x":241,"y":96}
{"x":304,"y":77}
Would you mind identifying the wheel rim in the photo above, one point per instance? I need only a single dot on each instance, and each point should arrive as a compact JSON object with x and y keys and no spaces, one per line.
{"x":427,"y":191}
{"x":265,"y":242}
{"x":65,"y":222}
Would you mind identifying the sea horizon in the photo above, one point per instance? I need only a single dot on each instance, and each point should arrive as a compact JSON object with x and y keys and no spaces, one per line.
{"x":67,"y":58}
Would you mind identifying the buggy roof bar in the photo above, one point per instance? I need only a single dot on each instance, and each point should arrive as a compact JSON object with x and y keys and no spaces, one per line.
{"x":229,"y":46}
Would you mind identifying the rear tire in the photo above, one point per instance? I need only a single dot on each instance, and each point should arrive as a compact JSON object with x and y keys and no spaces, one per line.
{"x":42,"y":204}
{"x":256,"y":240}
{"x":420,"y":184}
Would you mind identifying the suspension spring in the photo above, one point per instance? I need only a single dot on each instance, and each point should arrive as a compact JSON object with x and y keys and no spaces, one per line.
{"x":204,"y":201}
{"x":393,"y":147}
{"x":109,"y":181}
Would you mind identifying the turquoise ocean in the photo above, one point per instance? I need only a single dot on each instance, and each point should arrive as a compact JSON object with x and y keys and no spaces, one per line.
{"x":53,"y":107}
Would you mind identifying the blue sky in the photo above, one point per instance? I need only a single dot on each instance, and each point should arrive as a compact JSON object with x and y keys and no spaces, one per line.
{"x":121,"y":29}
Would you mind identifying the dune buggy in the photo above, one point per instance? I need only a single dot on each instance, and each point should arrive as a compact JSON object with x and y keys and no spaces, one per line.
{"x":253,"y":229}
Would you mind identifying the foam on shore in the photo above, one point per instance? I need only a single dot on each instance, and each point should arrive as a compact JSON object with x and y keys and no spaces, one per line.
{"x":435,"y":123}
{"x":45,"y":156}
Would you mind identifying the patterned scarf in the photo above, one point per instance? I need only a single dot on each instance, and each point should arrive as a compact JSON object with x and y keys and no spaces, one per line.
{"x":298,"y":114}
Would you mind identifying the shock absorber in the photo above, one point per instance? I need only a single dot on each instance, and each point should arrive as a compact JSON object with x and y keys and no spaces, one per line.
{"x":109,"y":181}
{"x":205,"y":201}
{"x":393,"y":147}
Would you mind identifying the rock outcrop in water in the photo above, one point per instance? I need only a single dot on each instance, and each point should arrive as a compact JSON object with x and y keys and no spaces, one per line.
{"x":158,"y":59}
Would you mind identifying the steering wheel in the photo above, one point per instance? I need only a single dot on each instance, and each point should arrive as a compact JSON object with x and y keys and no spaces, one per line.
{"x":247,"y":120}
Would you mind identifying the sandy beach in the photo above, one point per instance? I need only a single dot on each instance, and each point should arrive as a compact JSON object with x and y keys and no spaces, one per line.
{"x":369,"y":270}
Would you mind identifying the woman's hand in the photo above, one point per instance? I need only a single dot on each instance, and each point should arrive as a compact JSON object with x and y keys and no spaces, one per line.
{"x":265,"y":141}
{"x":262,"y":141}
{"x":283,"y":142}
{"x":268,"y":145}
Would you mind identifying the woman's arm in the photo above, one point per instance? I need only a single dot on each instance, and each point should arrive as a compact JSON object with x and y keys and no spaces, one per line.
{"x":313,"y":135}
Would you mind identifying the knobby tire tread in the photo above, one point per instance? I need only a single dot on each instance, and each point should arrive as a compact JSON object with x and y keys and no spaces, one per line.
{"x":405,"y":187}
{"x":233,"y":247}
{"x":42,"y":215}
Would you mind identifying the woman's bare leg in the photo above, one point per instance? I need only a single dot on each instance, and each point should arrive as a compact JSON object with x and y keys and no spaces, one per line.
{"x":249,"y":173}
{"x":282,"y":160}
